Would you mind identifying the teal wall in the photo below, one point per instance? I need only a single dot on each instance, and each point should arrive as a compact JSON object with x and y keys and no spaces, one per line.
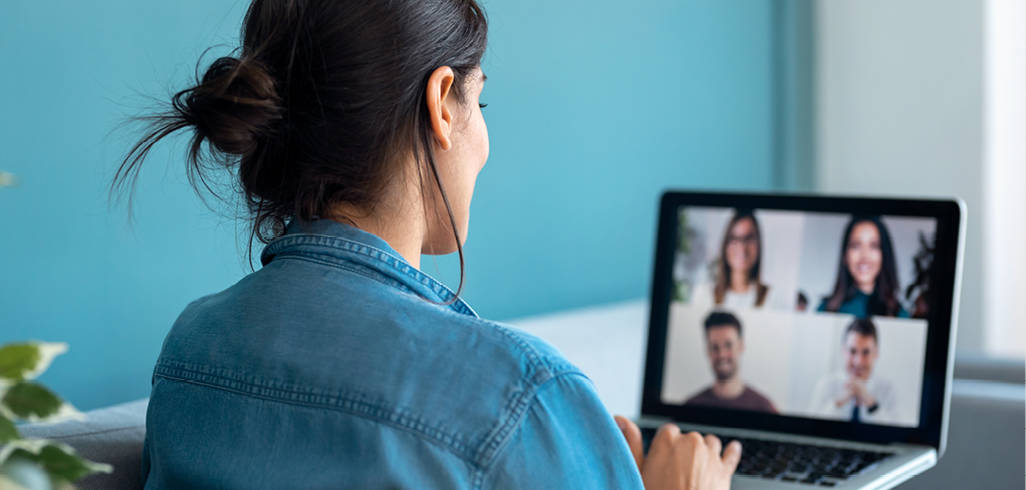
{"x":594,"y":108}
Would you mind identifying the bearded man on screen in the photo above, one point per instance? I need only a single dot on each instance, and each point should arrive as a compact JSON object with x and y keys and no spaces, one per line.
{"x":724,"y":345}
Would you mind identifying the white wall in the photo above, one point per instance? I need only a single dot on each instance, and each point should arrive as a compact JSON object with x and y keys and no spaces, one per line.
{"x":1004,"y":176}
{"x":899,"y":108}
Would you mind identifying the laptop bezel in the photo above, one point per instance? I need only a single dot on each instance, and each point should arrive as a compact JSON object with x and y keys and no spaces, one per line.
{"x":932,"y":426}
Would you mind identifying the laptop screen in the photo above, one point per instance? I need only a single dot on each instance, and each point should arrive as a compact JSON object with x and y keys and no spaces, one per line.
{"x":811,"y":314}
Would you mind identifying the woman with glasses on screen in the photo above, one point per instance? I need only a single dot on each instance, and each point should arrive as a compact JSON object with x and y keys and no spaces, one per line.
{"x":737,"y":271}
{"x":867,"y":273}
{"x":354,"y":131}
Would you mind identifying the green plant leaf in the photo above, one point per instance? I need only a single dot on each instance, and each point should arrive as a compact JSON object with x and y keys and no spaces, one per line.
{"x":31,"y":401}
{"x":66,"y":465}
{"x":60,"y":461}
{"x":18,"y":359}
{"x":7,"y":430}
{"x":27,"y":360}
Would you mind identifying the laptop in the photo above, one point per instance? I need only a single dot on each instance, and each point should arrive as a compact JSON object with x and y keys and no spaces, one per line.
{"x":817,"y":331}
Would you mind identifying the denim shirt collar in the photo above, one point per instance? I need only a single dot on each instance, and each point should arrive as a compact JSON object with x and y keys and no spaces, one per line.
{"x":334,"y":242}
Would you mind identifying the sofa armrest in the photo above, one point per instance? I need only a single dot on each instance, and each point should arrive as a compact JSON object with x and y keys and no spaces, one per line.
{"x":985,"y":440}
{"x":112,"y":435}
{"x":990,"y":369}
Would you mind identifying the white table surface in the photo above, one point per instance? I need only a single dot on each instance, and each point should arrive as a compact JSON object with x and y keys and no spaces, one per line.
{"x":606,"y":342}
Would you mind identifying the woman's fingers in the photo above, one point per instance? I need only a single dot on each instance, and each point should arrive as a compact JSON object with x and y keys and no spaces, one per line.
{"x":714,"y":444}
{"x":632,"y":434}
{"x":666,"y":436}
{"x":732,"y":456}
{"x":677,"y":460}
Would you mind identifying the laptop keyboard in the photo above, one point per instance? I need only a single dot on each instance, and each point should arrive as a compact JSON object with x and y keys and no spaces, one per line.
{"x":821,"y":466}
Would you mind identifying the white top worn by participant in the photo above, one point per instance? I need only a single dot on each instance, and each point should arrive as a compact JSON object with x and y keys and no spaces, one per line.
{"x":703,"y":296}
{"x":834,"y":387}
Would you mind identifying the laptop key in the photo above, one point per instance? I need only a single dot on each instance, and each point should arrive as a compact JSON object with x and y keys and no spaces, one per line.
{"x":812,"y":478}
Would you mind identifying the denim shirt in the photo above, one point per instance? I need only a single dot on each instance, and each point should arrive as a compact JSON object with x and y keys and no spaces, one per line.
{"x":333,"y":366}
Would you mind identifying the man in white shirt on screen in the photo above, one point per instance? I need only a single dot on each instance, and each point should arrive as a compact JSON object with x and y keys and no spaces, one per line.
{"x":856,"y":395}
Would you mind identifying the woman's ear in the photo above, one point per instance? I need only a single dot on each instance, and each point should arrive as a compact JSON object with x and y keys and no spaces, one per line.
{"x":439,"y":93}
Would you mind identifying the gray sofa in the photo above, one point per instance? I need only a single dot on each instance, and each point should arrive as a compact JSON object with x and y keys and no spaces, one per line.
{"x":112,"y":435}
{"x":986,"y":443}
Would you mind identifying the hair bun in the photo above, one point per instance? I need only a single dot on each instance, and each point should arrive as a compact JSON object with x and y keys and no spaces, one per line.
{"x":233,"y":107}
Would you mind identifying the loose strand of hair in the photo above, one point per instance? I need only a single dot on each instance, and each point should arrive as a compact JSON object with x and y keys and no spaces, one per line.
{"x":424,"y":149}
{"x":127,"y":175}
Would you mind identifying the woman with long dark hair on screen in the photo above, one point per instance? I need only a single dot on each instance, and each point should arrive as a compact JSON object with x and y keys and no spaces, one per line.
{"x":867,"y":273}
{"x":354,"y":131}
{"x":738,"y":272}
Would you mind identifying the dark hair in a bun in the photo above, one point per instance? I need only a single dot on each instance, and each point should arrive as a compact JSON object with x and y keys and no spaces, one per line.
{"x":233,"y":107}
{"x":322,"y":98}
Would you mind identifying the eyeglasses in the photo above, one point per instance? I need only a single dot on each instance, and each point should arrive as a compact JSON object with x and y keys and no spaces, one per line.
{"x":749,"y":239}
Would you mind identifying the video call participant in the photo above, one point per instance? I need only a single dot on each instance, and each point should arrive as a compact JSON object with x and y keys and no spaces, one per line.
{"x":867,"y":274}
{"x":738,"y":282}
{"x":855,"y":394}
{"x":724,"y":347}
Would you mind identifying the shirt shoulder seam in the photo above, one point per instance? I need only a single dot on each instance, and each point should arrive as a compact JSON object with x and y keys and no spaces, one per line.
{"x":503,"y":434}
{"x":540,"y":368}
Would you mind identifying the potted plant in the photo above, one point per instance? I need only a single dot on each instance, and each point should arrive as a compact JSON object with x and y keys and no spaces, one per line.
{"x":35,"y":463}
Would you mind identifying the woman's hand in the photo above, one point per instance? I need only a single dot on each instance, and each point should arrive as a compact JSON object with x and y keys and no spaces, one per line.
{"x":681,"y":461}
